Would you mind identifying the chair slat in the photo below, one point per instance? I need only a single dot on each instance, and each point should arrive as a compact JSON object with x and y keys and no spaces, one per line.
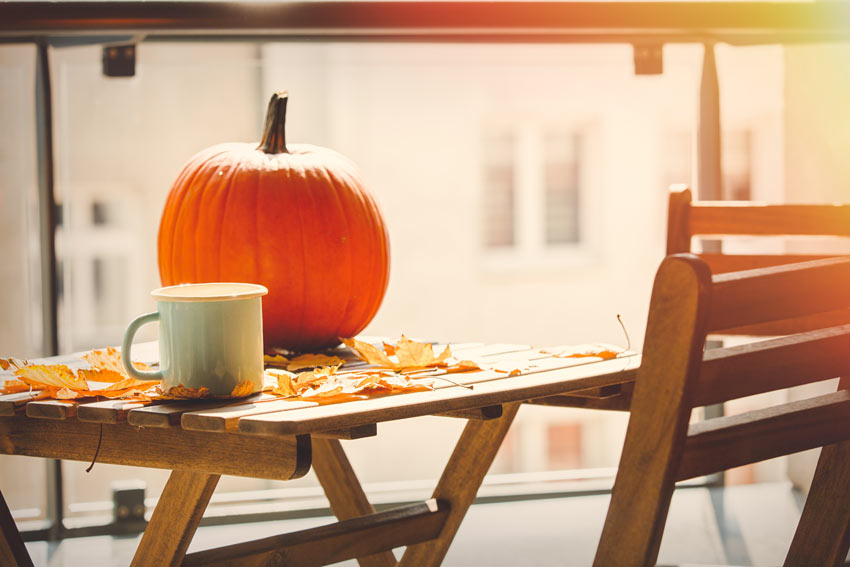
{"x":724,"y":263}
{"x":780,"y":292}
{"x":744,"y":370}
{"x":750,"y":218}
{"x":728,"y":442}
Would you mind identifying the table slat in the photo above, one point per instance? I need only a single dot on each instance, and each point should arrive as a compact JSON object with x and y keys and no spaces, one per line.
{"x":535,"y":384}
{"x":227,"y":418}
{"x":168,"y":413}
{"x":109,"y":411}
{"x":51,"y":409}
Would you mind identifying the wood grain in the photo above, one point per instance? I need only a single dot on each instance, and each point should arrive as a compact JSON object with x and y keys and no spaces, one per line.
{"x":758,"y":219}
{"x":13,"y":552}
{"x":764,"y":366}
{"x":823,"y":534}
{"x":469,"y":462}
{"x":51,"y":409}
{"x":357,"y":537}
{"x":780,"y":292}
{"x":483,"y":413}
{"x":109,"y":411}
{"x":672,"y":354}
{"x":227,"y":418}
{"x":678,"y":221}
{"x":175,"y":519}
{"x":122,"y":444}
{"x":344,"y":492}
{"x":723,"y":263}
{"x":358,"y":432}
{"x":11,"y":403}
{"x":731,"y":441}
{"x":168,"y":413}
{"x":535,"y":384}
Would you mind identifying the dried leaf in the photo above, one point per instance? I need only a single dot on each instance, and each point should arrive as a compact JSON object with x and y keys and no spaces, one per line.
{"x":602,"y":351}
{"x":368,"y":353}
{"x":285,"y":383}
{"x":276,"y":360}
{"x":15,"y":386}
{"x":243,"y":389}
{"x":110,"y":359}
{"x":180,"y":392}
{"x":65,"y":394}
{"x":462,"y":366}
{"x":313,"y":361}
{"x":413,"y":354}
{"x":42,"y":376}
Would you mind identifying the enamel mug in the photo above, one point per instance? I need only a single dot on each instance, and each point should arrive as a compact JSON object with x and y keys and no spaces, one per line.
{"x":210,"y":335}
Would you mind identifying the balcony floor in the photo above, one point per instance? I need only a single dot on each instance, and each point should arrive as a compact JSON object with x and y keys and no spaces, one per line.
{"x":741,"y":525}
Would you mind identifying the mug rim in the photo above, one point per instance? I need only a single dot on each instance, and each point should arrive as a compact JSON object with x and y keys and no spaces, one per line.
{"x":209,"y":291}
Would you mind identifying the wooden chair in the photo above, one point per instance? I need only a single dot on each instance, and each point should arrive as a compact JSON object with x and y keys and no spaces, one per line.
{"x":677,"y":375}
{"x":687,"y":219}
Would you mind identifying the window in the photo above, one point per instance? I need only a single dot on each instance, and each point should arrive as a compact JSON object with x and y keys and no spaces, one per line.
{"x":531,"y":189}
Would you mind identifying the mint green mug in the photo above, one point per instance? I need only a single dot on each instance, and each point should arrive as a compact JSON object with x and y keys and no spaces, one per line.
{"x":210,"y":336}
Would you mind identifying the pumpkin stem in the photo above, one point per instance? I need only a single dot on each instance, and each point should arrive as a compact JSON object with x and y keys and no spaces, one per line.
{"x":274,"y":132}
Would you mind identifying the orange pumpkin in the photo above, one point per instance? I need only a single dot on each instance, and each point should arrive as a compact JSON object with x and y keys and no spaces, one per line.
{"x":295,"y":219}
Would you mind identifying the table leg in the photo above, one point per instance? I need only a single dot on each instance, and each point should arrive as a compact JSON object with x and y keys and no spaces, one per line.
{"x":13,"y":552}
{"x":175,"y":519}
{"x":470,"y":461}
{"x":344,"y":492}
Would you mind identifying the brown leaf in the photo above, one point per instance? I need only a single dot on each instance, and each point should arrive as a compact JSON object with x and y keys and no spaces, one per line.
{"x":602,"y":351}
{"x":180,"y":392}
{"x":313,"y":361}
{"x":110,"y":359}
{"x":285,"y":385}
{"x":243,"y":389}
{"x":368,"y":353}
{"x":276,"y":360}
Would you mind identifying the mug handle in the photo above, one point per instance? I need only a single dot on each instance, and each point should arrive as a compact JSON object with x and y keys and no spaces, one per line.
{"x":128,"y":343}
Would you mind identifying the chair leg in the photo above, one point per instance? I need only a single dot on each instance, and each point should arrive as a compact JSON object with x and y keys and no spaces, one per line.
{"x":344,"y":492}
{"x":175,"y":519}
{"x":823,"y":534}
{"x":13,"y":552}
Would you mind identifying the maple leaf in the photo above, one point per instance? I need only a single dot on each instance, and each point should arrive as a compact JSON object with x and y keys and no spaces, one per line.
{"x":313,"y":361}
{"x":110,"y":360}
{"x":42,"y":376}
{"x":181,"y":392}
{"x":285,"y":383}
{"x":600,"y":350}
{"x":368,"y":353}
{"x":275,"y":360}
{"x":413,"y":354}
{"x":65,"y":394}
{"x":242,"y":389}
{"x":405,"y":355}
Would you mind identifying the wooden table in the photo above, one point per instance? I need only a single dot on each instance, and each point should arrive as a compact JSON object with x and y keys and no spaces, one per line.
{"x":281,"y":439}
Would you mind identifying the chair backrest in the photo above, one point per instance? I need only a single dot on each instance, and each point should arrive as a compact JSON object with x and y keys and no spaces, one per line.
{"x":677,"y":375}
{"x":687,"y":219}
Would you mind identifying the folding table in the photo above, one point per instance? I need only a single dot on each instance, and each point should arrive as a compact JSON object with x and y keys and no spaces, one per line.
{"x":281,"y":439}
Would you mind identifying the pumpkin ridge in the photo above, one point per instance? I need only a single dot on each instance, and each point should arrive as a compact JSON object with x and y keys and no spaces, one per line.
{"x":168,"y":234}
{"x":198,"y":192}
{"x":229,"y":192}
{"x":344,"y":313}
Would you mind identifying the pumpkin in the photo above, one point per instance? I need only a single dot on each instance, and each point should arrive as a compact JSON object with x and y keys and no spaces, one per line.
{"x":296,"y":219}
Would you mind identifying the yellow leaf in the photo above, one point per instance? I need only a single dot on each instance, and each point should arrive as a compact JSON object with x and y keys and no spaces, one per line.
{"x":110,"y":359}
{"x":65,"y":394}
{"x":276,"y":360}
{"x":313,"y":361}
{"x":285,"y":386}
{"x":42,"y":376}
{"x":368,"y":353}
{"x":180,"y":392}
{"x":242,"y":389}
{"x":602,"y":351}
{"x":413,"y":354}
